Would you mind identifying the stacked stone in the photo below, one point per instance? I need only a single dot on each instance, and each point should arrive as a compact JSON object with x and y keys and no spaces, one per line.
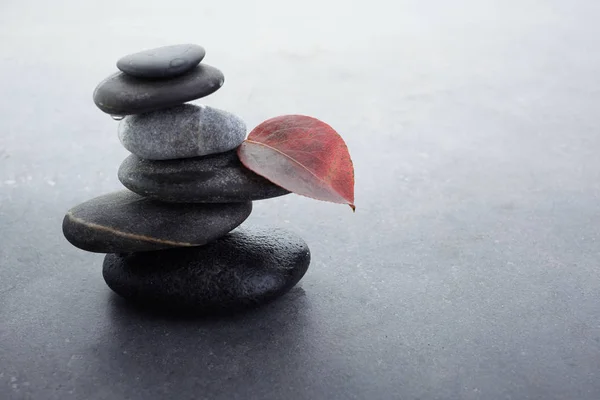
{"x":170,"y":238}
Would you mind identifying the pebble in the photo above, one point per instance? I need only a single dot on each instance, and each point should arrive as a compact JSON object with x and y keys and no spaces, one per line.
{"x":217,"y":178}
{"x":162,"y":62}
{"x":123,"y":221}
{"x":181,"y":132}
{"x":246,"y":268}
{"x":121,"y":94}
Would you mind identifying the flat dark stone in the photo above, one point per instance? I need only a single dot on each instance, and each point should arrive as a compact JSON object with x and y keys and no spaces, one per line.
{"x":217,"y":178}
{"x":162,"y":62}
{"x":126,"y":222}
{"x":122,"y":94}
{"x":246,"y":268}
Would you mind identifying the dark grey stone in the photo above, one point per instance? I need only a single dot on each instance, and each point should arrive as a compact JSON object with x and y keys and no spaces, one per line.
{"x":122,"y":94}
{"x":162,"y":62}
{"x":181,"y":132}
{"x":217,"y":178}
{"x":246,"y":268}
{"x":126,"y":222}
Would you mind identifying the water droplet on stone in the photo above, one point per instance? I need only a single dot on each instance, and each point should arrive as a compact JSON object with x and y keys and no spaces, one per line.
{"x":117,"y":117}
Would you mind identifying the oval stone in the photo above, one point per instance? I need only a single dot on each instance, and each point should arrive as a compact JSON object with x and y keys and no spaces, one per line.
{"x":246,"y":268}
{"x":218,"y":178}
{"x":126,"y":222}
{"x":121,"y":94}
{"x":162,"y":62}
{"x":181,"y":132}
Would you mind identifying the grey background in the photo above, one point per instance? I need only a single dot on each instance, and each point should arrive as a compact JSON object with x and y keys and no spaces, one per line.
{"x":469,"y":271}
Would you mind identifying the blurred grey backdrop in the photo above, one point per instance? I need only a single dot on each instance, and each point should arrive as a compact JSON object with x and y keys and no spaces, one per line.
{"x":469,"y":271}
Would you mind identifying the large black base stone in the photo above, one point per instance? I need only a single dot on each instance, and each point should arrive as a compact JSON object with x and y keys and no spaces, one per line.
{"x":246,"y":268}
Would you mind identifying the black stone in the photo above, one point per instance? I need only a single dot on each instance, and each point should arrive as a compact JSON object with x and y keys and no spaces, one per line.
{"x":217,"y":178}
{"x":126,"y":222}
{"x":246,"y":268}
{"x":122,"y":94}
{"x":162,"y":62}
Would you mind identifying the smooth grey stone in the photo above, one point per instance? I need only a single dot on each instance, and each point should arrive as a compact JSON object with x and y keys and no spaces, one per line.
{"x":162,"y":62}
{"x":121,"y":94}
{"x":126,"y":222}
{"x":246,"y":268}
{"x":218,"y":178}
{"x":181,"y":132}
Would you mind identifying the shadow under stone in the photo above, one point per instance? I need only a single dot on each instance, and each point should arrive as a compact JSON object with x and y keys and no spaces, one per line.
{"x":121,"y":308}
{"x":147,"y":352}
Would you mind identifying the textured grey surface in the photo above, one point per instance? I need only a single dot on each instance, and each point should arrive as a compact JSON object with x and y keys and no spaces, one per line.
{"x":469,"y":271}
{"x":219,"y":178}
{"x":162,"y":62}
{"x":123,"y":221}
{"x":121,"y":94}
{"x":184,"y":131}
{"x":245,"y":269}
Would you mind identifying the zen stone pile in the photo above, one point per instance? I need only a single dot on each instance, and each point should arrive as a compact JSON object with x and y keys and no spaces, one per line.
{"x":169,"y":239}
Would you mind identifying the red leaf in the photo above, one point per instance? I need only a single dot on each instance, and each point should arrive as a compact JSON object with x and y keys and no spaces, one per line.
{"x":303,"y":155}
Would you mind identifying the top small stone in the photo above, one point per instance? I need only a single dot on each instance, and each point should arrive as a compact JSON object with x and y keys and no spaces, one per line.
{"x":162,"y":62}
